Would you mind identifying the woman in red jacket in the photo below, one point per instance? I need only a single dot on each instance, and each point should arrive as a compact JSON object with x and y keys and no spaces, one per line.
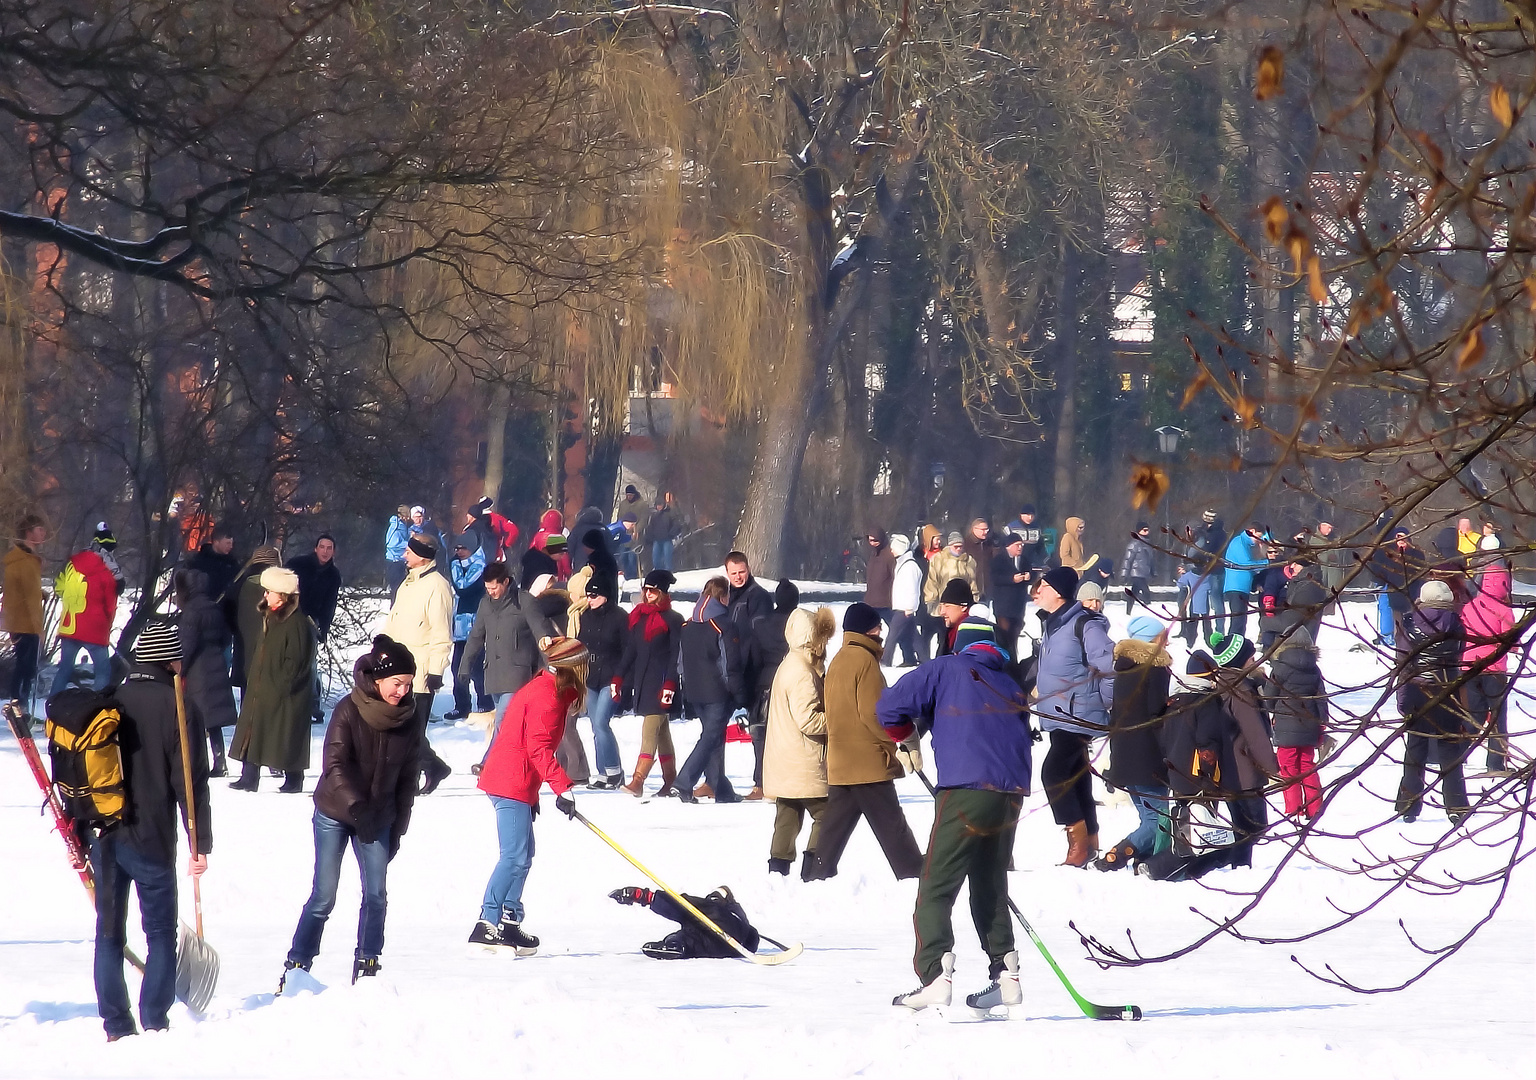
{"x":520,"y":761}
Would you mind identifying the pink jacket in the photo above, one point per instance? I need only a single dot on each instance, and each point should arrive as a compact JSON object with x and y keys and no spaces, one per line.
{"x":1488,"y":617}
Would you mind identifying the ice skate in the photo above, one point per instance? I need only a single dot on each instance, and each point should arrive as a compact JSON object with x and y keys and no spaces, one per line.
{"x":513,"y":937}
{"x":485,"y":939}
{"x":1003,"y":991}
{"x":938,"y":992}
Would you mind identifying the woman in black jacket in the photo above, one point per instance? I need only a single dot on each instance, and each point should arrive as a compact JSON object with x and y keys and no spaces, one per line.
{"x":205,"y":638}
{"x":366,"y":790}
{"x":1298,"y":707}
{"x":602,"y":629}
{"x":711,"y":667}
{"x":1142,"y":675}
{"x":646,"y":678}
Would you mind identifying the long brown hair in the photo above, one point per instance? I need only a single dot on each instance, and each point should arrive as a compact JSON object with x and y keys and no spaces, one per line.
{"x":572,"y":677}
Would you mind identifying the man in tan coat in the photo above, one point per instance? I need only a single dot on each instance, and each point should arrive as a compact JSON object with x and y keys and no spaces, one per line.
{"x":862,"y":760}
{"x":795,"y":744}
{"x":1071,"y":552}
{"x":23,"y":606}
{"x":422,"y":620}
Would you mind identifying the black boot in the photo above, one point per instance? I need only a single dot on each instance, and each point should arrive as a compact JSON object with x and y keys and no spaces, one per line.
{"x":250,"y":777}
{"x":364,"y":967}
{"x":779,"y":866}
{"x":293,"y":783}
{"x":217,"y":765}
{"x":808,"y":866}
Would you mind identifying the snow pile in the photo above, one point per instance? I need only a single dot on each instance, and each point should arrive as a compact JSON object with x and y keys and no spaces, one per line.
{"x":591,"y":1003}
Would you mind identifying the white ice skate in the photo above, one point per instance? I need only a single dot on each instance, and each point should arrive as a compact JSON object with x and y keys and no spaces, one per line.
{"x":937,"y":992}
{"x":1004,"y":992}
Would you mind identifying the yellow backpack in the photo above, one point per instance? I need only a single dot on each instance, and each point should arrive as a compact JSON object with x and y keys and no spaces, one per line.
{"x":87,"y":763}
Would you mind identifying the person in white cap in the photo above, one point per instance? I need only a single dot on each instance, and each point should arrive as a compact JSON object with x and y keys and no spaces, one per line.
{"x":279,"y":697}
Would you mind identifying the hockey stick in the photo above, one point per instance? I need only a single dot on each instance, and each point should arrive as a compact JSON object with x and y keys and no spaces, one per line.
{"x":79,"y":861}
{"x":1090,"y":1010}
{"x":771,"y":959}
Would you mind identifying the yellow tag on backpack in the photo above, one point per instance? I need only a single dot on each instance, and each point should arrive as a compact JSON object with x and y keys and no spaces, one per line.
{"x":87,"y":763}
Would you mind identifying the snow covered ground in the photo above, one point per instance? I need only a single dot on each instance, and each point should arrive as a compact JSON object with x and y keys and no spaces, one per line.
{"x":591,"y":1003}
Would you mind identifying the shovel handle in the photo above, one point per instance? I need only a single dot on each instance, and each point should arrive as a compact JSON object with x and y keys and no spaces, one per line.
{"x":191,"y":800}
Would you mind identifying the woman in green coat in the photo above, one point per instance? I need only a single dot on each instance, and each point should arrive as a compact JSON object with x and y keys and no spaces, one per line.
{"x":279,"y":697}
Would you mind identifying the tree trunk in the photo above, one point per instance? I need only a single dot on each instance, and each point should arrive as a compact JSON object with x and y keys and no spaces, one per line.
{"x":1066,"y":385}
{"x":496,"y":439}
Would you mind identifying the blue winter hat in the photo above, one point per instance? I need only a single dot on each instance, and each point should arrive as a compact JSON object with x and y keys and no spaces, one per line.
{"x":975,"y":631}
{"x":1144,"y":628}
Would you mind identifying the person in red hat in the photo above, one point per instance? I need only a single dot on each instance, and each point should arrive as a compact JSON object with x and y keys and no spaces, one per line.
{"x":521,"y":760}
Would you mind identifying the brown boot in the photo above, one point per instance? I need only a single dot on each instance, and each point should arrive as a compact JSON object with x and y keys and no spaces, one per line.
{"x":755,"y":795}
{"x":668,"y":774}
{"x":1093,"y":845}
{"x":703,"y":791}
{"x":636,"y":787}
{"x":1078,"y":853}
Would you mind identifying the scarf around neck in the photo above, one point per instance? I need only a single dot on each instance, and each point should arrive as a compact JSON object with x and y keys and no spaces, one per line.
{"x":380,"y":714}
{"x":651,"y":616}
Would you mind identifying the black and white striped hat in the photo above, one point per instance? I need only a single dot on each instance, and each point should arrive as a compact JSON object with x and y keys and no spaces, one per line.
{"x":159,"y":643}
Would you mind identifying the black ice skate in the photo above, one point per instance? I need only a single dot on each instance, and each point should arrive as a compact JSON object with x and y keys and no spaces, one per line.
{"x":512,"y":936}
{"x":364,"y":967}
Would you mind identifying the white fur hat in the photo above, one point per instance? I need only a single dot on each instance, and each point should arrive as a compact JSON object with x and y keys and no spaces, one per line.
{"x":279,"y":579}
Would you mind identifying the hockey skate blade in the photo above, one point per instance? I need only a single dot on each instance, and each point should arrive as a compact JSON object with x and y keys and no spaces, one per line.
{"x":775,"y":959}
{"x":477,"y":952}
{"x":996,"y":1012}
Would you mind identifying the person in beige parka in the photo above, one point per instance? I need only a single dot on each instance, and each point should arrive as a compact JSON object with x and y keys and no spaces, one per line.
{"x":795,"y":749}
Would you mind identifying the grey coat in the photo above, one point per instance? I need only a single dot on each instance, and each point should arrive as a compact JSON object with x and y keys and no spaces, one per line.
{"x":1138,"y":559}
{"x":1075,"y":680}
{"x":507,"y":631}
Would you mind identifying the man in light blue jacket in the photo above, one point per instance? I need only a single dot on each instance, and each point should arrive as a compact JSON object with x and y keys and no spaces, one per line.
{"x":396,"y":534}
{"x":1244,"y":558}
{"x":1074,"y":687}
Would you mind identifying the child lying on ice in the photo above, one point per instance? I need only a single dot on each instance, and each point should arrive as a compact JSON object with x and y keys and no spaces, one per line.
{"x":693,"y":939}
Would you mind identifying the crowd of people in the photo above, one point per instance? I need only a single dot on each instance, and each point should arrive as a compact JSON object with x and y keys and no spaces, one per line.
{"x":537,"y":641}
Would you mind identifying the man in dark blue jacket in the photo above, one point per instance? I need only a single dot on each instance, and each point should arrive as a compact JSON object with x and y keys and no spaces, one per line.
{"x":976,"y":716}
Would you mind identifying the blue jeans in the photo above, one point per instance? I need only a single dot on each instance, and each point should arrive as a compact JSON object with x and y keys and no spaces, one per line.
{"x":101,"y":664}
{"x":1154,"y":834}
{"x":331,"y":839}
{"x":629,"y":564}
{"x":600,"y":712}
{"x":514,"y":832}
{"x":661,"y":554}
{"x":708,"y":757}
{"x":1385,"y":626}
{"x":116,"y":865}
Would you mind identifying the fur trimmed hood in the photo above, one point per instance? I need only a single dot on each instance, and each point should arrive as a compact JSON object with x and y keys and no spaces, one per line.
{"x":810,"y":631}
{"x":1143,"y":652}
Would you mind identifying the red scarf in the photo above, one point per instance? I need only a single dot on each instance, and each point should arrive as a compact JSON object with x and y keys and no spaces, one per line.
{"x":655,"y":625}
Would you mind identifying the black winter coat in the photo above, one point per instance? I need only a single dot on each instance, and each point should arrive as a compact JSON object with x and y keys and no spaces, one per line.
{"x":1142,"y":671}
{"x":1195,"y":721}
{"x":319,"y":588}
{"x":204,"y":635}
{"x":711,"y":660}
{"x":648,"y":667}
{"x":220,"y":570}
{"x":1295,"y":695}
{"x":150,"y":743}
{"x":536,"y":564}
{"x":603,"y":631}
{"x":771,"y":648}
{"x":369,"y":776}
{"x":1007,"y":597}
{"x":746,"y":606}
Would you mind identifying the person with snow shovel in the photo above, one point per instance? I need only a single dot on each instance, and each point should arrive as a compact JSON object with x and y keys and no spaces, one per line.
{"x":141,"y":851}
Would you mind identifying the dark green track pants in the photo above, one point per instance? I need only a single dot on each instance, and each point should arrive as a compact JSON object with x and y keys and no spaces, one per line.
{"x":971,"y":840}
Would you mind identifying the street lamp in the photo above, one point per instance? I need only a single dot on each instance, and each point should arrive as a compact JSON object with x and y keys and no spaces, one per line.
{"x":1168,"y":443}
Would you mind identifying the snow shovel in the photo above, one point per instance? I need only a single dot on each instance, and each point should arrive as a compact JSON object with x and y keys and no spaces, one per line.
{"x":197,"y":965}
{"x":768,"y":959}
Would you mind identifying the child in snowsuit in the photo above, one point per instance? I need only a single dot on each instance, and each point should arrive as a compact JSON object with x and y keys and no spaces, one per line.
{"x":693,"y":940}
{"x":1297,"y":701}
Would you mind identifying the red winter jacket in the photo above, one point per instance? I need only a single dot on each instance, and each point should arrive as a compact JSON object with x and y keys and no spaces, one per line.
{"x":523,"y":756}
{"x":87,"y":592}
{"x":506,"y":534}
{"x":1487,"y":619}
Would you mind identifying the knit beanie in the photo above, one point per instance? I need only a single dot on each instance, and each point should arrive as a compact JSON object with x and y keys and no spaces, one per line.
{"x":1437,"y":594}
{"x":1089,"y":591}
{"x":957,"y":591}
{"x":974,"y":631}
{"x":389,"y":657}
{"x":1200,"y":663}
{"x":662,"y":580}
{"x":105,"y":539}
{"x":786,"y":595}
{"x":900,"y":544}
{"x":860,"y":618}
{"x":1063,"y":579}
{"x":953,"y":538}
{"x":481,"y":508}
{"x":159,"y":643}
{"x":554,"y":544}
{"x":1144,"y":628}
{"x":266,"y":556}
{"x":566,"y":652}
{"x":1232,"y":650}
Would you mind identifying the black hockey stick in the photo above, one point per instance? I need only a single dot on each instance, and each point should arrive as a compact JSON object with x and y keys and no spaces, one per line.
{"x":1090,"y":1010}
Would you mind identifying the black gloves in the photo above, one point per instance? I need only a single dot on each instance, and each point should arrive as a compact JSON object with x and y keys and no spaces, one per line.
{"x":566,"y":805}
{"x":434,"y":683}
{"x":434,"y":772}
{"x":632,"y":894}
